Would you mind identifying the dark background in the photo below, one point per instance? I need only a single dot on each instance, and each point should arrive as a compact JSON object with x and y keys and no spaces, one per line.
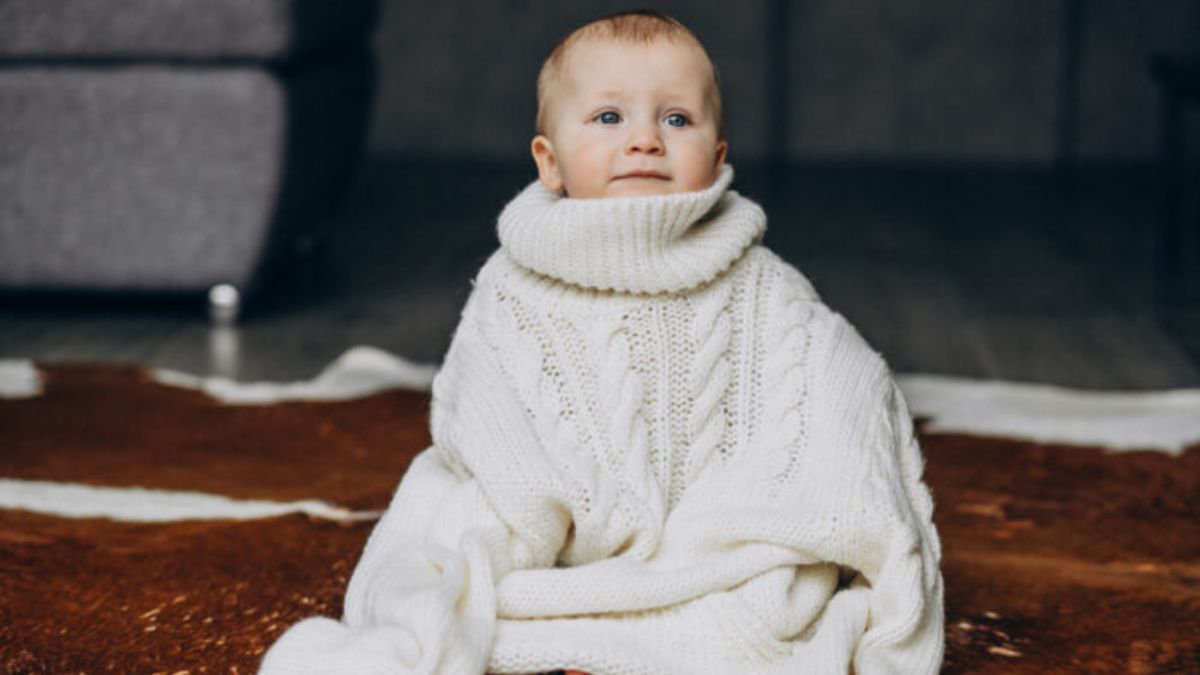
{"x":1026,"y":82}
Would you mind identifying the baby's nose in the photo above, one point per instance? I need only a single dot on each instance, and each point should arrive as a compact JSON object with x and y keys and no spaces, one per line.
{"x":644,"y":138}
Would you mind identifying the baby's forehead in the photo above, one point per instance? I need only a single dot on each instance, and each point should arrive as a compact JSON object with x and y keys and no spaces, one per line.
{"x":573,"y":71}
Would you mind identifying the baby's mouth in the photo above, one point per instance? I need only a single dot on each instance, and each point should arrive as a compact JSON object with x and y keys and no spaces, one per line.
{"x":653,"y":175}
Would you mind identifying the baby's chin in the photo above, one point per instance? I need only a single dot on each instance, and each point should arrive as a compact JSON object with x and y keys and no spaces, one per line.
{"x":640,"y":186}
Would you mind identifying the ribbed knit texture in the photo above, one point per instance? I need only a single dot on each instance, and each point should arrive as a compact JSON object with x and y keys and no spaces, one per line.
{"x":664,"y":243}
{"x":710,"y":473}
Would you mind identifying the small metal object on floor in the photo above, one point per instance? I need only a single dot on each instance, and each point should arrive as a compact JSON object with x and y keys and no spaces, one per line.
{"x":224,"y":304}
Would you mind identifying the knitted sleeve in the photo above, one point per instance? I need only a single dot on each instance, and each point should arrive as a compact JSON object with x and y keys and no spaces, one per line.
{"x":882,"y":519}
{"x":905,"y":628}
{"x":422,"y":597}
{"x":837,"y":476}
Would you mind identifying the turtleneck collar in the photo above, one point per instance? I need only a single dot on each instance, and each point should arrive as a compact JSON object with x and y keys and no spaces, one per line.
{"x":646,"y":244}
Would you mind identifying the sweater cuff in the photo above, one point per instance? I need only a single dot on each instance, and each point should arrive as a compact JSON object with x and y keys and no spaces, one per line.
{"x":321,"y":645}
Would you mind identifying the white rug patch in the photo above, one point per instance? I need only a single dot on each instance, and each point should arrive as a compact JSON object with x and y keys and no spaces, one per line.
{"x":361,"y":371}
{"x":1166,"y":421}
{"x":19,"y":378}
{"x":142,"y":505}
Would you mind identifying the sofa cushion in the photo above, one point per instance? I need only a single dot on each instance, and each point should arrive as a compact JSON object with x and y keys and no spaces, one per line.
{"x":156,"y":177}
{"x":266,"y":30}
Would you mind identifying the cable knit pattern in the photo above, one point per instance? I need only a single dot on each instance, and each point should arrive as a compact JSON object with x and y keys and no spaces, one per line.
{"x":706,"y":472}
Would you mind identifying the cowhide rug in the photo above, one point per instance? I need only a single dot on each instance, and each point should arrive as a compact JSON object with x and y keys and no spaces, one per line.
{"x":158,"y":523}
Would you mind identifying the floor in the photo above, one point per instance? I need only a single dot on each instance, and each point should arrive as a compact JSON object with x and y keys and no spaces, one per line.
{"x":986,"y":272}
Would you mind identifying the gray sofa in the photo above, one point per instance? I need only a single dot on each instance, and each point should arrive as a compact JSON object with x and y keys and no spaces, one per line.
{"x":173,"y":145}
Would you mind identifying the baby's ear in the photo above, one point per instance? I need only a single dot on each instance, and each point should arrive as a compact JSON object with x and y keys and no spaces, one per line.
{"x":722,"y":148}
{"x":547,"y":163}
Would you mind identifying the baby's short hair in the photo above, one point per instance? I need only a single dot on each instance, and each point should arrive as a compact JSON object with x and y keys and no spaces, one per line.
{"x":639,"y":26}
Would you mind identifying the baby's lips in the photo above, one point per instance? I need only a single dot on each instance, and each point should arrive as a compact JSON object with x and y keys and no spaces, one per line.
{"x":643,"y":174}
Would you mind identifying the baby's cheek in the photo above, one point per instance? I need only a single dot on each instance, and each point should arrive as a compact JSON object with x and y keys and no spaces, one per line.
{"x":700,"y":179}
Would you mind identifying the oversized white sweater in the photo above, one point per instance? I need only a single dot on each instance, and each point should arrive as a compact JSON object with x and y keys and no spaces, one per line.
{"x":654,"y":451}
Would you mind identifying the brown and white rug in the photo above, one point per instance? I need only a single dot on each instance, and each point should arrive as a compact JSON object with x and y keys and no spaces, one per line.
{"x":159,"y":523}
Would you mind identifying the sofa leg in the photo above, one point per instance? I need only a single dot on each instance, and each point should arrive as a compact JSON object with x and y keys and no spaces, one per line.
{"x":224,"y":304}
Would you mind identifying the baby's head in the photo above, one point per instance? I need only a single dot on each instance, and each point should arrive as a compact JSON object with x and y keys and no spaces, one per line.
{"x":628,"y":105}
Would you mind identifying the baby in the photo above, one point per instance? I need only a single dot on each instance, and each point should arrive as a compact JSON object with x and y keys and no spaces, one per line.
{"x":654,"y":449}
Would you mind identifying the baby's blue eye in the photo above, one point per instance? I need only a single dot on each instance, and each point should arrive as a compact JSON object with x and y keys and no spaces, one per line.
{"x":677,"y":120}
{"x":608,"y":117}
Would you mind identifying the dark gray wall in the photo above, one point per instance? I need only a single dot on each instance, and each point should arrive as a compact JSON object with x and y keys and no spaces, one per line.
{"x":878,"y":80}
{"x":1118,"y":111}
{"x":924,"y":79}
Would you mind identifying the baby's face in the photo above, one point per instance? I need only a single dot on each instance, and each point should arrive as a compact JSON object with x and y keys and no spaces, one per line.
{"x":630,"y":119}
